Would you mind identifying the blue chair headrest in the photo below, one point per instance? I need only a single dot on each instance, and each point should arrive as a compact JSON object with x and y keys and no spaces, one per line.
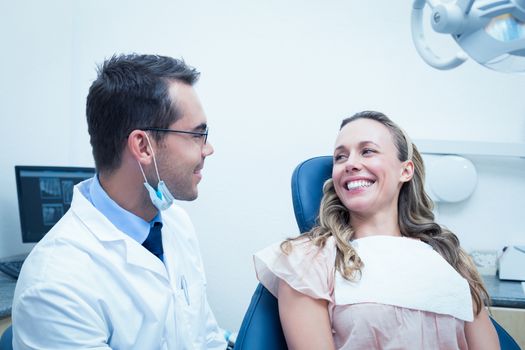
{"x":307,"y":189}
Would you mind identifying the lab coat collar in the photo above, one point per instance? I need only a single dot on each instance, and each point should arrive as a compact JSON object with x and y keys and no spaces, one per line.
{"x":126,"y":221}
{"x":108,"y":234}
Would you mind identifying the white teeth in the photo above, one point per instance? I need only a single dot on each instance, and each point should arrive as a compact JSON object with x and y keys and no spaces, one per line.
{"x":359,"y":183}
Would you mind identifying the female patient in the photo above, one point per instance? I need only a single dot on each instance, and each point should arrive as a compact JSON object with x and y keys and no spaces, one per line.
{"x":376,"y":272}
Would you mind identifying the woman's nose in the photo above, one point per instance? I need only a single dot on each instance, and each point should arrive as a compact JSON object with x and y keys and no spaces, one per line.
{"x":352,"y":164}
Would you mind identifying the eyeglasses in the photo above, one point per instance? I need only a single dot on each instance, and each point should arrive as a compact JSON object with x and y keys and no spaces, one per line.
{"x":203,"y":135}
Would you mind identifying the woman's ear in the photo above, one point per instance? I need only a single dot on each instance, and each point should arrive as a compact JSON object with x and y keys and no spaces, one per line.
{"x":407,"y":171}
{"x":139,"y":147}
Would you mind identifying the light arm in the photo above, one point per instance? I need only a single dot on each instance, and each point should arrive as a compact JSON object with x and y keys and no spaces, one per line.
{"x":305,"y":320}
{"x":421,"y":46}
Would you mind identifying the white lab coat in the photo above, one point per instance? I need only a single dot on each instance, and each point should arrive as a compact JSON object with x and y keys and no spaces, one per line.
{"x":88,"y":285}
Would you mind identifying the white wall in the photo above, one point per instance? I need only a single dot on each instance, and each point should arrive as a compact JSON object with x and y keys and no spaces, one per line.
{"x":35,"y":99}
{"x":277,"y":78}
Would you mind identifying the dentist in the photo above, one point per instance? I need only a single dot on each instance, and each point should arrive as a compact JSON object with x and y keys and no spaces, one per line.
{"x":122,"y":269}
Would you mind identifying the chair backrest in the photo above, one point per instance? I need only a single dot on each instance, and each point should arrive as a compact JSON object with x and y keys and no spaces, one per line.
{"x":261,"y":327}
{"x":6,"y":341}
{"x":506,"y":342}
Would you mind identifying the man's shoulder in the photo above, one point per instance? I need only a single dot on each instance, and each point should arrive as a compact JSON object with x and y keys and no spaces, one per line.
{"x":64,"y":248}
{"x":67,"y":233}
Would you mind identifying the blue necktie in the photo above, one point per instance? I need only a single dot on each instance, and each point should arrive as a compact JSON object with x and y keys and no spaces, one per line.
{"x":154,"y":241}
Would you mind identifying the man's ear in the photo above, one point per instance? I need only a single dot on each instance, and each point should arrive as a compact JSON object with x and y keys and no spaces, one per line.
{"x":139,"y":147}
{"x":407,"y":171}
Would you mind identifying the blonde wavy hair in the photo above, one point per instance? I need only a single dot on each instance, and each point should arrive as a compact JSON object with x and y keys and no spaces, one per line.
{"x":416,"y":219}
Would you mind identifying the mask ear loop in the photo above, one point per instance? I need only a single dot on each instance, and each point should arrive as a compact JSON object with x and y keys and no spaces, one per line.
{"x":154,"y":161}
{"x":142,"y":171}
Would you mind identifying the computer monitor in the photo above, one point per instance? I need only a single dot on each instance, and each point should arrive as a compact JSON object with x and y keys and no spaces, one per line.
{"x":44,"y":195}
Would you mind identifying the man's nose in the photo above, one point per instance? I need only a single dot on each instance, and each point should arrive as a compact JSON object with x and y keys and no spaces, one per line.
{"x":208,"y":149}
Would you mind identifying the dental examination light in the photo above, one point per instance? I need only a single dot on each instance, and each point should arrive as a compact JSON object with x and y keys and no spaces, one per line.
{"x":492,"y":32}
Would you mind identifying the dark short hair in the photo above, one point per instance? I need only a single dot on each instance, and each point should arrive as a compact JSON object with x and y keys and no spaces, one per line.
{"x":129,"y":93}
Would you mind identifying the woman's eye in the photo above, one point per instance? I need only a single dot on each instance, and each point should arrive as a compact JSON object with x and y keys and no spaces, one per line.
{"x":339,"y":157}
{"x":368,"y":151}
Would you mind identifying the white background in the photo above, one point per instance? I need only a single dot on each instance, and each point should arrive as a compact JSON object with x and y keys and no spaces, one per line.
{"x":277,"y":79}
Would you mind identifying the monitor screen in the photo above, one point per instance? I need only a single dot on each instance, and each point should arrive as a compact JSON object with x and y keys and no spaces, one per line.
{"x":44,"y":195}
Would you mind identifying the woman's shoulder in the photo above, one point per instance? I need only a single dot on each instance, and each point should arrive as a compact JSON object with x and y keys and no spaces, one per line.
{"x":308,"y":247}
{"x":301,"y":245}
{"x":305,"y":265}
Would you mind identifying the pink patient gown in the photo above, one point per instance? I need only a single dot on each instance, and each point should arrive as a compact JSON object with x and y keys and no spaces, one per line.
{"x":311,"y":271}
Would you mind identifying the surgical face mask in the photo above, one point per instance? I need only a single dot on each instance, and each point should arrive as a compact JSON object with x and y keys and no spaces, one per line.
{"x":162,"y":197}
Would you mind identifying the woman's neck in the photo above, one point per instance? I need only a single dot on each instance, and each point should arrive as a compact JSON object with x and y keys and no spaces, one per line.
{"x":384,"y":224}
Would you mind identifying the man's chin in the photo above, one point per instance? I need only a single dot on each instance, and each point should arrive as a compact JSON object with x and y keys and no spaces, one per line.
{"x":188,"y":197}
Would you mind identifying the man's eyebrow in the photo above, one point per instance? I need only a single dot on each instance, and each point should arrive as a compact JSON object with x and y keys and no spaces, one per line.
{"x":201,"y":127}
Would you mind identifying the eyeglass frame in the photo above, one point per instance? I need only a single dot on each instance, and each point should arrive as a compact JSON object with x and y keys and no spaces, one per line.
{"x":199,"y":133}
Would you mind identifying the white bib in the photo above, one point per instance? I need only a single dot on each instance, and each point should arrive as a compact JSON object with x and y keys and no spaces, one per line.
{"x":407,"y":273}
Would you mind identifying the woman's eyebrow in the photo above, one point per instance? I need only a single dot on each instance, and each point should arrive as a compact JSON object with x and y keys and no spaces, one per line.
{"x":360,"y":144}
{"x":364,"y":143}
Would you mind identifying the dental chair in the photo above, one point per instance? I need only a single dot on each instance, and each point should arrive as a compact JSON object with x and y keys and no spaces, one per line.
{"x":261,"y":326}
{"x":6,"y":341}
